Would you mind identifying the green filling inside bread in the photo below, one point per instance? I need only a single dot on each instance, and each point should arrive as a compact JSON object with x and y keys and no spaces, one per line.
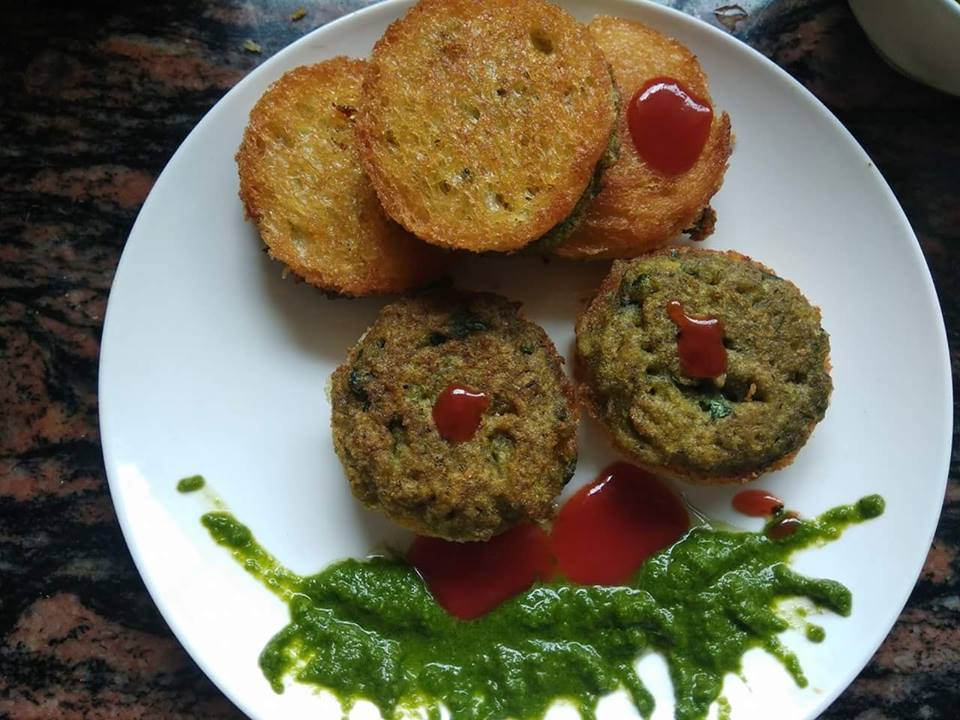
{"x":559,"y":233}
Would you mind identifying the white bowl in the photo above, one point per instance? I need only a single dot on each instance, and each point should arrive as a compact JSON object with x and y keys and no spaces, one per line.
{"x":920,"y":38}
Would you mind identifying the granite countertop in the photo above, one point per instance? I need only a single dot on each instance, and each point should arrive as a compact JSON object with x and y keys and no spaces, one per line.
{"x":94,"y":99}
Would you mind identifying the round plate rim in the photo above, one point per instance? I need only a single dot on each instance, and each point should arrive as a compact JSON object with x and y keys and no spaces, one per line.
{"x":387,"y":7}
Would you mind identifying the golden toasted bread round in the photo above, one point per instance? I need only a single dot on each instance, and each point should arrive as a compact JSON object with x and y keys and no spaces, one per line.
{"x":639,"y":208}
{"x":481,"y":123}
{"x":301,"y":182}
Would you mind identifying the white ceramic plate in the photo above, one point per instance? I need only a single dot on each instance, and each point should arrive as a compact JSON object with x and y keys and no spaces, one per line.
{"x":212,"y":363}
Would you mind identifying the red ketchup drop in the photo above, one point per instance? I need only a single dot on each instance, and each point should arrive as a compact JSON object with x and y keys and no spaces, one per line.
{"x":604,"y":533}
{"x":471,"y":579}
{"x":757,"y":503}
{"x":699,"y":343}
{"x":669,"y":125}
{"x":458,"y":411}
{"x":784,"y":527}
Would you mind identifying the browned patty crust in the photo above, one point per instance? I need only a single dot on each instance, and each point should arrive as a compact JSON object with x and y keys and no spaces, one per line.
{"x":301,"y":182}
{"x":749,"y":421}
{"x":524,"y":450}
{"x":483,"y":121}
{"x":639,"y":208}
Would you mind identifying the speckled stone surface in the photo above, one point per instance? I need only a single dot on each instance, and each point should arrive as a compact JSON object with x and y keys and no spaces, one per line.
{"x":94,"y":98}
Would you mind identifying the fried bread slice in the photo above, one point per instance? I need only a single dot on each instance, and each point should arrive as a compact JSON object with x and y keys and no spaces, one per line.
{"x":301,"y":182}
{"x":482,"y":123}
{"x":639,"y":208}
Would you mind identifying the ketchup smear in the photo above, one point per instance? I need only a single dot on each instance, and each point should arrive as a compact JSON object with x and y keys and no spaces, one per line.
{"x":699,"y":343}
{"x":458,"y":411}
{"x":601,"y":537}
{"x":757,"y":503}
{"x":784,"y":527}
{"x":604,"y":533}
{"x":669,"y":125}
{"x":471,"y":579}
{"x":760,"y":503}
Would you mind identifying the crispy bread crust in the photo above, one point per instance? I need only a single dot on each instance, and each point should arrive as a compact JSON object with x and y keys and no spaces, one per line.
{"x":302,"y":184}
{"x":638,"y":208}
{"x":482,"y":122}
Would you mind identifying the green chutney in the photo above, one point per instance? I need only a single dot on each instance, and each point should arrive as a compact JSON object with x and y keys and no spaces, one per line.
{"x":371,"y":630}
{"x":191,"y":484}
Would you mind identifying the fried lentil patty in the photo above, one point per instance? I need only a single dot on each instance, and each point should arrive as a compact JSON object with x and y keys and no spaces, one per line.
{"x":483,"y":121}
{"x":302,"y":184}
{"x":524,"y":450}
{"x":639,"y":208}
{"x":753,"y":419}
